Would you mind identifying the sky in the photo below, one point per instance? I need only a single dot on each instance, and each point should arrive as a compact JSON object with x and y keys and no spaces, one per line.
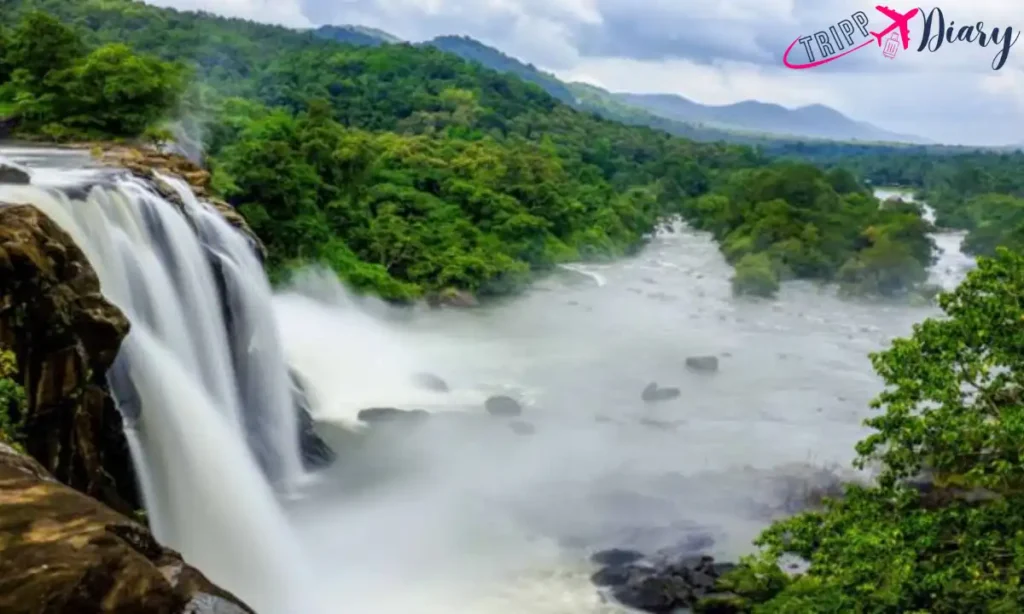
{"x":716,"y":52}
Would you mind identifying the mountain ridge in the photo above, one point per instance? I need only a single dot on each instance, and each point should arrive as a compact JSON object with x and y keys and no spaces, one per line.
{"x":743,"y":121}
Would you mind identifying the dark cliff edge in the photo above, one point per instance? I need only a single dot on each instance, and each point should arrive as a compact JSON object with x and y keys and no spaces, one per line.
{"x":65,"y":335}
{"x":61,"y":551}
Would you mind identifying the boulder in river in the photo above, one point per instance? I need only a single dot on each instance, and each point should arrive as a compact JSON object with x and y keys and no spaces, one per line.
{"x":653,"y":393}
{"x":522,"y":428}
{"x":429,"y":381}
{"x":12,"y":174}
{"x":61,"y":551}
{"x":663,"y":586}
{"x":503,"y":406}
{"x":65,"y":336}
{"x":391,"y":415}
{"x":702,"y":364}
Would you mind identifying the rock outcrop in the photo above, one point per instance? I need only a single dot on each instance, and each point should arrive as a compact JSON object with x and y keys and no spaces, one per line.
{"x":147,"y":163}
{"x":666,"y":585}
{"x":65,"y":335}
{"x":13,"y":174}
{"x":61,"y":551}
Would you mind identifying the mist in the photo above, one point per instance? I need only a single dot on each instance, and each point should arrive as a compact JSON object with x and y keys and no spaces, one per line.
{"x":467,"y":510}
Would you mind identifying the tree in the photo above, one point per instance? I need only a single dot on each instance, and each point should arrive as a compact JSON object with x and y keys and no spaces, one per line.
{"x":116,"y":92}
{"x":41,"y":45}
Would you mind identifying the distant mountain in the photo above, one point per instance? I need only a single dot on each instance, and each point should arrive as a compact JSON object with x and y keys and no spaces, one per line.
{"x":583,"y":97}
{"x":475,"y":51}
{"x":745,"y":122}
{"x":356,"y":35}
{"x":814,"y":121}
{"x":602,"y":102}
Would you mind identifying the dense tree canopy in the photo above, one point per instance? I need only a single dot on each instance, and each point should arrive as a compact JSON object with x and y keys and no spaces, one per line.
{"x":50,"y":84}
{"x":411,"y":170}
{"x":953,"y":415}
{"x":792,"y":220}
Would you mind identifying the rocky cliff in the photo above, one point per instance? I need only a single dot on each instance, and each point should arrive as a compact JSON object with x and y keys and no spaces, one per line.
{"x":61,"y":551}
{"x":65,"y":336}
{"x":147,"y":163}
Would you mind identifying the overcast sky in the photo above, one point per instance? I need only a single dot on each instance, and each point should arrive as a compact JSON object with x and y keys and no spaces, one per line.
{"x":715,"y":52}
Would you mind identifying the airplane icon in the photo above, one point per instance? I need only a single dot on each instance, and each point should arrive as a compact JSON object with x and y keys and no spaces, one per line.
{"x":898,"y":21}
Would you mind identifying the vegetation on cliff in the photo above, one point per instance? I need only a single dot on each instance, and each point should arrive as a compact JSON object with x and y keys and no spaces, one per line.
{"x":12,"y":399}
{"x":952,"y":411}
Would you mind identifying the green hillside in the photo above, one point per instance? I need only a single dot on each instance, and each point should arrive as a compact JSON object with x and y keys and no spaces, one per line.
{"x":410,"y":170}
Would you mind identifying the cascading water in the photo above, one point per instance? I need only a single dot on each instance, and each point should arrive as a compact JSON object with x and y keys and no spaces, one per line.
{"x":200,"y":374}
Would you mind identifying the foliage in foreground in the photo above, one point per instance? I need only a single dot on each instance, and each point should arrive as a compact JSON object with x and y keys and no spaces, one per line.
{"x":954,"y":411}
{"x":50,"y":85}
{"x":12,"y":398}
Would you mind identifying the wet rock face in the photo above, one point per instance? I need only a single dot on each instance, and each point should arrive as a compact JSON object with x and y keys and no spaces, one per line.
{"x":61,"y":551}
{"x":316,"y":454}
{"x":65,"y":335}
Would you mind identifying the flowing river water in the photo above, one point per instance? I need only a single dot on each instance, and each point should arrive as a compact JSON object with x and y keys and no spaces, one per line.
{"x":469,"y":512}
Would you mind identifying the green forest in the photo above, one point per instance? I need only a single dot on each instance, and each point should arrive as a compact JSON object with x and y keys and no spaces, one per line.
{"x":410,"y":171}
{"x":981,"y":192}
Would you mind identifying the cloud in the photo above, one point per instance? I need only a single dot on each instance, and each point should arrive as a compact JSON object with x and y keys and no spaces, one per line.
{"x":715,"y":52}
{"x":280,"y":12}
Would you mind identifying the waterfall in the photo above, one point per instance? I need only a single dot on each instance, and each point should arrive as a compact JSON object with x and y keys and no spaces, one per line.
{"x":200,"y":376}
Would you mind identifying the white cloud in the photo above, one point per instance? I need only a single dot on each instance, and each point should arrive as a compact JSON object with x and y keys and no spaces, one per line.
{"x":714,"y":52}
{"x":280,"y":12}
